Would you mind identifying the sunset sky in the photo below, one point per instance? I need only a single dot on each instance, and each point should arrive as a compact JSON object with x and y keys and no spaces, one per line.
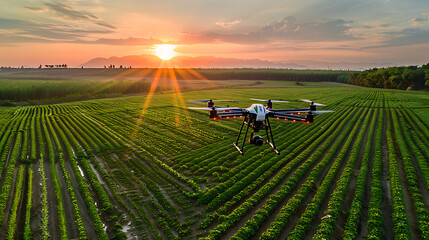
{"x":73,"y":32}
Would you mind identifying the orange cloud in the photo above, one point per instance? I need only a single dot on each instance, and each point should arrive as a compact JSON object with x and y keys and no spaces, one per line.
{"x":228,"y":24}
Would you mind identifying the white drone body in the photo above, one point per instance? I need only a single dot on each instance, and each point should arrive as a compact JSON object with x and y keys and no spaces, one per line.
{"x":259,"y":110}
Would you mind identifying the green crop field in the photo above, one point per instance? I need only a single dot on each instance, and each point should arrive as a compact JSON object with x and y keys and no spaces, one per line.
{"x":147,"y":167}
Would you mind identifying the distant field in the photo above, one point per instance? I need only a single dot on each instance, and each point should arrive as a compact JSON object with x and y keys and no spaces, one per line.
{"x":146,"y":167}
{"x":42,"y":86}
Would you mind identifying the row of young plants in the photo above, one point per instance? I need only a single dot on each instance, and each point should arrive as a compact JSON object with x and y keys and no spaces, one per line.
{"x":375,"y":215}
{"x":66,"y":176}
{"x":351,"y":148}
{"x":253,"y":224}
{"x":289,"y":209}
{"x":71,"y":132}
{"x":162,"y":223}
{"x":84,"y":162}
{"x":62,"y":225}
{"x":77,"y":126}
{"x":260,"y":162}
{"x":141,"y":211}
{"x":401,"y":228}
{"x":258,"y":195}
{"x":7,"y":140}
{"x":282,"y":137}
{"x":84,"y":190}
{"x":44,"y":200}
{"x":11,"y":230}
{"x":138,"y":168}
{"x":10,"y":168}
{"x":136,"y":202}
{"x":313,"y":140}
{"x":336,"y":200}
{"x":33,"y":150}
{"x":285,"y":145}
{"x":418,"y":148}
{"x":150,"y":159}
{"x":355,"y":212}
{"x":27,"y":228}
{"x":420,"y":131}
{"x":412,"y":179}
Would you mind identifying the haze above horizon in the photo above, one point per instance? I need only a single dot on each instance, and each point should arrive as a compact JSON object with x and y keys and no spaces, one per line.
{"x":74,"y":32}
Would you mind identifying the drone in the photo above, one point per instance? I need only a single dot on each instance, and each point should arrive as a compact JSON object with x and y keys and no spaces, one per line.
{"x":257,"y":118}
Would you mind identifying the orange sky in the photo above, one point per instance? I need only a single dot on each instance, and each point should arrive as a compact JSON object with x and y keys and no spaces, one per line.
{"x":73,"y":32}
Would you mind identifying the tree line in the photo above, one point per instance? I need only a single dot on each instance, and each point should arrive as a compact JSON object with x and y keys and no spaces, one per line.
{"x":411,"y":77}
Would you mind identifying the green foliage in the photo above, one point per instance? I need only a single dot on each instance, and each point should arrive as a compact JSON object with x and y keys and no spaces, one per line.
{"x":392,"y":78}
{"x":172,"y":174}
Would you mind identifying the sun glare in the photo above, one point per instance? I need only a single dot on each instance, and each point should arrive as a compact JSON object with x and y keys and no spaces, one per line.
{"x":165,"y":51}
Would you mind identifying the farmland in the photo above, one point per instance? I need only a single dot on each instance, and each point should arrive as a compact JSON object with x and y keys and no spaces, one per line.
{"x":146,"y":167}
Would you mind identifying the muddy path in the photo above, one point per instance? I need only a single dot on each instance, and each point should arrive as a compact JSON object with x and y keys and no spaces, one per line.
{"x":36,"y":203}
{"x":386,"y":203}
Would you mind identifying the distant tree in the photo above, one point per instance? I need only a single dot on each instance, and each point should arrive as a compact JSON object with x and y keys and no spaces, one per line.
{"x":408,"y":77}
{"x":427,"y":78}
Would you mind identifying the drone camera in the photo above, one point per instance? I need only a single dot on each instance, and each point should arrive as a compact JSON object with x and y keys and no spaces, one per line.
{"x":256,"y":140}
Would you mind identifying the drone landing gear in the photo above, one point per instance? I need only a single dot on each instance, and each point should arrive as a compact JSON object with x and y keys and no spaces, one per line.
{"x":256,"y":140}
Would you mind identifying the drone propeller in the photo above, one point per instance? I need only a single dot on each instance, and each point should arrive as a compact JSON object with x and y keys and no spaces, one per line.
{"x":316,"y":104}
{"x":216,"y":108}
{"x":273,"y":101}
{"x":321,"y":112}
{"x":199,"y":100}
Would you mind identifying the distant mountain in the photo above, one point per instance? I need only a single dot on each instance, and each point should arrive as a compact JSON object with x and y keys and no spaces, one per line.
{"x":151,"y":61}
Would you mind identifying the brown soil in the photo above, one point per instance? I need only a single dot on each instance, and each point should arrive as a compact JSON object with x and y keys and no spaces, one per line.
{"x":386,"y":203}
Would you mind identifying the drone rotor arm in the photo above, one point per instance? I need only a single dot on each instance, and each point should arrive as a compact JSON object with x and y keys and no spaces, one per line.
{"x":295,"y":110}
{"x":288,"y":117}
{"x":232,"y":113}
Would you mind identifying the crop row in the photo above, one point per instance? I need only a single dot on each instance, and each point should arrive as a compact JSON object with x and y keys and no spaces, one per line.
{"x":314,"y":139}
{"x":327,"y":225}
{"x":351,"y":148}
{"x":401,"y":227}
{"x":287,"y":211}
{"x":412,"y":179}
{"x":274,"y":200}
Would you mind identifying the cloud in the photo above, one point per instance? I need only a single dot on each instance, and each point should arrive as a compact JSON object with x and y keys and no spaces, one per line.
{"x":125,"y":41}
{"x":12,"y":40}
{"x":419,"y":21}
{"x":286,"y":29}
{"x":228,"y":24}
{"x":69,"y":13}
{"x":404,"y":37}
{"x":35,"y":9}
{"x":289,"y":28}
{"x":385,"y":25}
{"x":31,"y":31}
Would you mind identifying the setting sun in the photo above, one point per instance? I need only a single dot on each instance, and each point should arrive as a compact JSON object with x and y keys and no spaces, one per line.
{"x":165,"y":51}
